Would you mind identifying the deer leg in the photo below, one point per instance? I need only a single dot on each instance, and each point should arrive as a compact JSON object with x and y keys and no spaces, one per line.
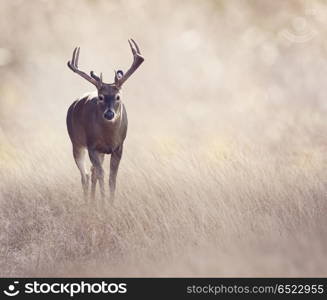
{"x":95,"y":158}
{"x":94,"y":177}
{"x":114,"y":165}
{"x":94,"y":180}
{"x":79,"y":156}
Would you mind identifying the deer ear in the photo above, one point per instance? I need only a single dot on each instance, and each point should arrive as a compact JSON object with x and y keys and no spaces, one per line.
{"x":118,"y":74}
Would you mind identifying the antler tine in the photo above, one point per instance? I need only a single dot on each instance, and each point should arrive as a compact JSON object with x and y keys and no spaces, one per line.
{"x":132,"y":47}
{"x":96,"y":77}
{"x":73,"y":65}
{"x":137,"y":61}
{"x":74,"y":57}
{"x":70,"y":63}
{"x":136,"y":46}
{"x":73,"y":62}
{"x":77,"y":57}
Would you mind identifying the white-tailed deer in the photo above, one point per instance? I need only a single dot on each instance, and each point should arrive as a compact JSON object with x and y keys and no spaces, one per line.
{"x":98,"y":122}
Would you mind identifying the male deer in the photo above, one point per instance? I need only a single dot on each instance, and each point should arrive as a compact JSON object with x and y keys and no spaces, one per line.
{"x":98,"y":122}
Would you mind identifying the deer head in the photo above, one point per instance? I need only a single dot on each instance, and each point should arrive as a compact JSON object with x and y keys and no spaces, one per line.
{"x":109,"y":93}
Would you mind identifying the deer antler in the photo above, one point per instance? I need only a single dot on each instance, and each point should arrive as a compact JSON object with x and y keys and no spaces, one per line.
{"x":137,"y":61}
{"x":73,"y":65}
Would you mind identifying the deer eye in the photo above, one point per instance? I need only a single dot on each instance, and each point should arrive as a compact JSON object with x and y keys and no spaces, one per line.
{"x":101,"y":97}
{"x":117,"y":97}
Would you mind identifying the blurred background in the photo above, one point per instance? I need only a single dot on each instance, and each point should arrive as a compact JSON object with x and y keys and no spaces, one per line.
{"x":226,"y":133}
{"x":246,"y":68}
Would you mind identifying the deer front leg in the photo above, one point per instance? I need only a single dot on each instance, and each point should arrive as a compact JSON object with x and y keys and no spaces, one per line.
{"x":94,"y":180}
{"x":79,"y":156}
{"x":94,"y":177}
{"x":114,"y":164}
{"x":97,"y":171}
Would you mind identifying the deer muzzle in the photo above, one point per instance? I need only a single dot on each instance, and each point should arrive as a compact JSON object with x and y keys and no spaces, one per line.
{"x":109,"y":115}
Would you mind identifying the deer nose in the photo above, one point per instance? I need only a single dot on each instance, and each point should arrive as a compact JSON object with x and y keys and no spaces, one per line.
{"x":109,"y":115}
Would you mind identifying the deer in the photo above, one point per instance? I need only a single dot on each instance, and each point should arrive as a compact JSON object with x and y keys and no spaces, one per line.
{"x":97,"y":122}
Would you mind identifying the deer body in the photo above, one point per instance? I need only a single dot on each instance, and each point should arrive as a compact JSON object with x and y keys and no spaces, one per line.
{"x":87,"y":127}
{"x":97,"y":122}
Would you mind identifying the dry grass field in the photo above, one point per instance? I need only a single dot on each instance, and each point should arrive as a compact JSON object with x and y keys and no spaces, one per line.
{"x":224,"y":170}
